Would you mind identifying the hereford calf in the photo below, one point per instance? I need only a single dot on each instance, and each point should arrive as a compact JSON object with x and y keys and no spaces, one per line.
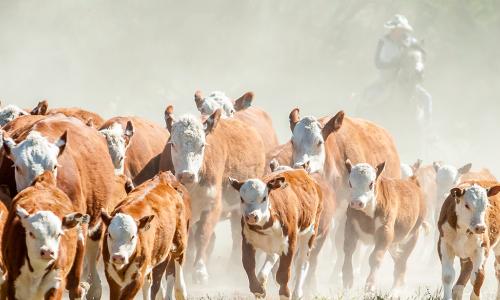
{"x":469,"y":226}
{"x":280,"y":216}
{"x":204,"y":155}
{"x":145,"y":230}
{"x":385,"y":212}
{"x":43,"y":243}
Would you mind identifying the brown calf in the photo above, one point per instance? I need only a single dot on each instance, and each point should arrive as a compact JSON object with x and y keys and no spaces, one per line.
{"x":43,"y":243}
{"x":280,"y":216}
{"x":145,"y":230}
{"x":385,"y":212}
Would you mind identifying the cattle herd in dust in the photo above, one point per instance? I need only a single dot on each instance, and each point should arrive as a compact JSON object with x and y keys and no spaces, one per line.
{"x":146,"y":198}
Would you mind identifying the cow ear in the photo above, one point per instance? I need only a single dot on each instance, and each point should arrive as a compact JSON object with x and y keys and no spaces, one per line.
{"x":235,"y":183}
{"x":273,"y":164}
{"x":129,"y":132}
{"x":105,"y":217}
{"x":61,"y":142}
{"x":278,"y":182}
{"x":464,"y":169}
{"x":129,"y":185}
{"x":8,"y":145}
{"x":348,"y":165}
{"x":90,"y":122}
{"x":41,"y":108}
{"x":71,"y":220}
{"x":145,"y":223}
{"x":380,"y":168}
{"x":169,"y":118}
{"x":333,"y":124}
{"x":21,"y":212}
{"x":198,"y":99}
{"x":294,"y":118}
{"x":457,"y":193}
{"x":212,"y":121}
{"x":436,"y":165}
{"x":492,"y":191}
{"x":243,"y":102}
{"x":416,"y":165}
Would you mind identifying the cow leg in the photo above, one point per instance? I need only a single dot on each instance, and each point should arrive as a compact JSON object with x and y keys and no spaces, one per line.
{"x":285,"y":266}
{"x":302,"y":259}
{"x":383,"y":239}
{"x":170,"y":278}
{"x":463,"y":278}
{"x":114,"y":288}
{"x":401,"y":260}
{"x":349,"y":248}
{"x":477,"y":277}
{"x":157,"y":274}
{"x":337,"y":234}
{"x":146,"y":287}
{"x":236,"y":237}
{"x":311,"y":282}
{"x":248,"y":259}
{"x":76,"y":288}
{"x":180,"y":284}
{"x":91,"y":258}
{"x":497,"y":273}
{"x":448,"y":271}
{"x":267,"y":267}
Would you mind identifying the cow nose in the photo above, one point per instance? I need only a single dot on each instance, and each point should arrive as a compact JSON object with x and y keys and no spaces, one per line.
{"x":479,"y":229}
{"x":118,"y":259}
{"x":186,"y":177}
{"x":46,"y":254}
{"x":357,"y":204}
{"x":251,"y":218}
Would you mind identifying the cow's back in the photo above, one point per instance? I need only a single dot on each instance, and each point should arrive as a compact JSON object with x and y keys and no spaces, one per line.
{"x":84,"y":115}
{"x":262,"y":122}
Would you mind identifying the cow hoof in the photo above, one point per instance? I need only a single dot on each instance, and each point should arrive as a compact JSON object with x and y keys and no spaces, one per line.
{"x":260,"y":296}
{"x":458,"y":291}
{"x":200,"y":277}
{"x":297,"y":296}
{"x":262,"y":279}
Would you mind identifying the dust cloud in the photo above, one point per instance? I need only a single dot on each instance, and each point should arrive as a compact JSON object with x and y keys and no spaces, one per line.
{"x":135,"y":57}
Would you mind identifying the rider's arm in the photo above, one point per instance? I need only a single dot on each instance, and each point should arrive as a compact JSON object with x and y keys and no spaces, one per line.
{"x":379,"y":63}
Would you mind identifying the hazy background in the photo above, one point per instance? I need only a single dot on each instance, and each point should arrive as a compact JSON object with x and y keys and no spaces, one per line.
{"x":135,"y":57}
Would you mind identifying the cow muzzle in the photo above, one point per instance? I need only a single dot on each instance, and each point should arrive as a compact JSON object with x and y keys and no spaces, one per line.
{"x":251,"y":219}
{"x":357,"y":204}
{"x":47,"y":254}
{"x":478,"y":228}
{"x":118,"y":259}
{"x":186,"y":177}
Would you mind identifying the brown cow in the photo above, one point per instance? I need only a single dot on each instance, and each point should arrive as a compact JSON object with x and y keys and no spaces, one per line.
{"x":85,"y":175}
{"x":280,"y":216}
{"x":89,"y":118}
{"x":385,"y":212}
{"x":145,"y":230}
{"x":43,"y":243}
{"x":469,"y":226}
{"x":325,"y":144}
{"x":133,"y":142}
{"x":3,"y":218}
{"x":203,"y":156}
{"x":242,"y":110}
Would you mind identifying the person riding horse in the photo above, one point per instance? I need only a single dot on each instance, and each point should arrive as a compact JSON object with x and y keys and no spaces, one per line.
{"x":394,"y":52}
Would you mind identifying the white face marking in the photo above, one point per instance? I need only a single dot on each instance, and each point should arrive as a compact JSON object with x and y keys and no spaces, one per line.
{"x":9,"y":113}
{"x":471,"y":210}
{"x":117,"y":146}
{"x":447,"y":177}
{"x":122,"y":238}
{"x":215,"y":101}
{"x":406,"y":171}
{"x":362,"y":181}
{"x":255,"y":202}
{"x":32,"y":157}
{"x":188,"y":146}
{"x":308,"y":145}
{"x":43,"y":234}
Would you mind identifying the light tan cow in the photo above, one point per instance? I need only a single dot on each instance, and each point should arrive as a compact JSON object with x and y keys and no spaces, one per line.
{"x":203,"y":156}
{"x":386,"y":213}
{"x":144,"y":232}
{"x":43,"y":243}
{"x":280,"y":216}
{"x":469,"y":226}
{"x":133,"y":143}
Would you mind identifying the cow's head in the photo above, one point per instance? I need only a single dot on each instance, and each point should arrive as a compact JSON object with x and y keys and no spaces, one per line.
{"x":118,"y":140}
{"x":33,"y":156}
{"x":254,"y":195}
{"x":188,"y":141}
{"x":122,"y":236}
{"x":470,"y":207}
{"x":9,"y":113}
{"x":448,"y":176}
{"x":308,"y":139}
{"x":44,"y":230}
{"x":363,"y":182}
{"x":214,"y":101}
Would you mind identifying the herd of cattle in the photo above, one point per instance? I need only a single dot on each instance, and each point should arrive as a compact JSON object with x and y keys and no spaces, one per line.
{"x":146,"y":198}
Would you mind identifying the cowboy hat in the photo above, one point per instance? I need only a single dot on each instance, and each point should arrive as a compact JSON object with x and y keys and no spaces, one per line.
{"x":398,"y":21}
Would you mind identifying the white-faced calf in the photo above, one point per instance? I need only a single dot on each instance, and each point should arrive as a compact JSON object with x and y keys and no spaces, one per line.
{"x":280,"y":216}
{"x":385,"y":212}
{"x":144,"y":232}
{"x":469,"y":226}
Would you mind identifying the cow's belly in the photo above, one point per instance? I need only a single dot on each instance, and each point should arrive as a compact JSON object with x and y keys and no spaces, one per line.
{"x":464,"y":245}
{"x":270,"y":240}
{"x":34,"y":285}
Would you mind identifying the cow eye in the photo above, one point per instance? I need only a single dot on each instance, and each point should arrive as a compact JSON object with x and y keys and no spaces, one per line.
{"x":320,"y":143}
{"x":109,"y":236}
{"x":264,"y":200}
{"x":371,"y":185}
{"x":350,"y":185}
{"x":31,"y":235}
{"x":467,"y":206}
{"x":132,"y":238}
{"x":241,"y":199}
